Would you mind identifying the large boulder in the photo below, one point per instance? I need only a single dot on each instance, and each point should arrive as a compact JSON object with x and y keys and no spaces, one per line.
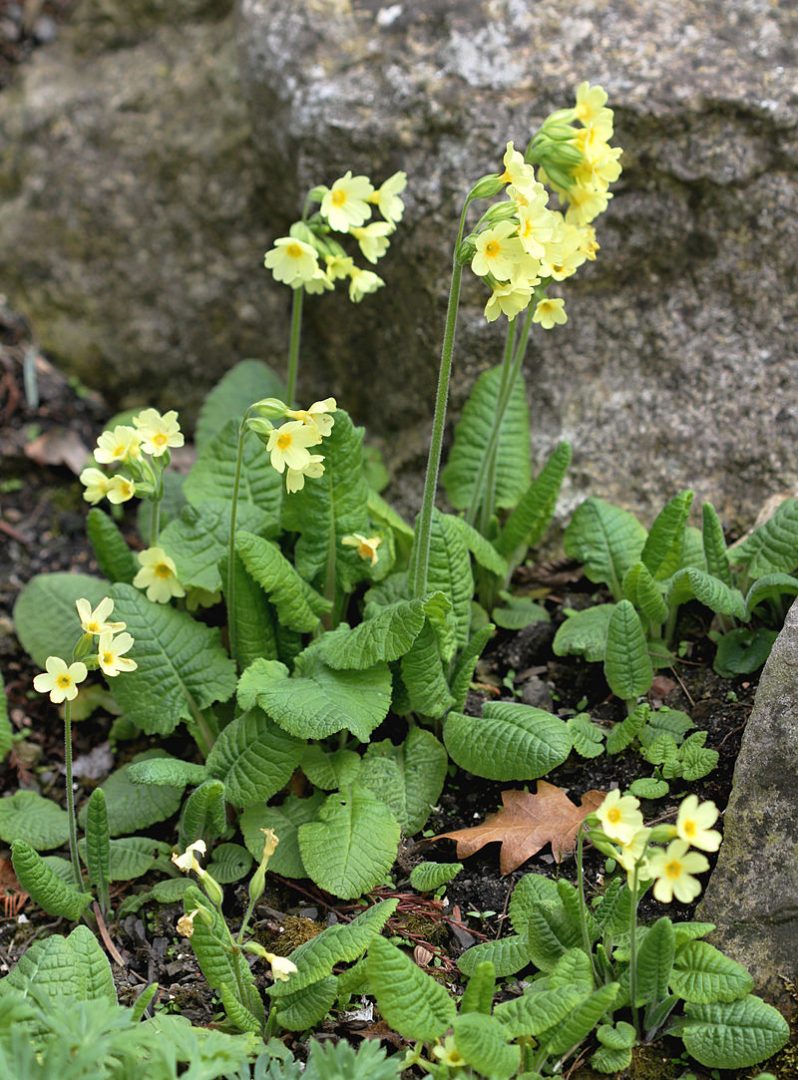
{"x":130,"y":224}
{"x":752,"y":895}
{"x":677,"y":363}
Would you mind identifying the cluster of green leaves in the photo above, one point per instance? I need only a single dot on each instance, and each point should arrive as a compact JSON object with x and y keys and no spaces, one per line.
{"x":685,"y":987}
{"x":651,"y":574}
{"x":59,"y":1016}
{"x":661,"y":738}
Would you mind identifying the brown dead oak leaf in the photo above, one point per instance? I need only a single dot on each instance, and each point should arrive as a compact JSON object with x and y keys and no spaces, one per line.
{"x":526,"y":823}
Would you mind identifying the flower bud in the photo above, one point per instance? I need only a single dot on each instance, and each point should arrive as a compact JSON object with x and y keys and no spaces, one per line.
{"x":300,"y":231}
{"x":487,"y":186}
{"x":84,"y":646}
{"x":261,"y":428}
{"x":271,"y":408}
{"x":316,"y":194}
{"x":661,"y":834}
{"x":213,"y":890}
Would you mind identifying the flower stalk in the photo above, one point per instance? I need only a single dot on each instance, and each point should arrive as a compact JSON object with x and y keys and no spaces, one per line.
{"x":70,"y":795}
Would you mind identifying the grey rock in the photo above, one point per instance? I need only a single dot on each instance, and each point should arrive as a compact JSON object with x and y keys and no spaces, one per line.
{"x":130,"y":223}
{"x":536,"y":692}
{"x":675,"y":366}
{"x":45,"y":30}
{"x":752,"y":895}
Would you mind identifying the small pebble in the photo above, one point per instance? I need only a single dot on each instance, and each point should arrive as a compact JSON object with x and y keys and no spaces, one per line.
{"x":45,"y":30}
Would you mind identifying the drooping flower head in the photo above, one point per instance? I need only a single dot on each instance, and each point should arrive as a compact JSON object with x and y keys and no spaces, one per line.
{"x":366,"y":546}
{"x":110,"y":654}
{"x":694,"y":824}
{"x":387,"y":197}
{"x":295,"y":478}
{"x":96,"y":483}
{"x":120,"y":489}
{"x":550,"y":312}
{"x":318,"y":416}
{"x":292,"y":261}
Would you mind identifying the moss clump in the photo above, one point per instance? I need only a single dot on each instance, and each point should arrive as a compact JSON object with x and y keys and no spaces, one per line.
{"x":296,"y":931}
{"x":431,"y":930}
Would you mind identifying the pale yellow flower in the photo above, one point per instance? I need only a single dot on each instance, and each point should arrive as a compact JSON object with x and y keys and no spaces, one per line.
{"x":516,"y":170}
{"x":585,"y":204}
{"x":535,"y":229}
{"x":95,"y":622}
{"x":188,"y":860}
{"x":288,"y":445}
{"x":373,"y":239}
{"x":449,"y":1055}
{"x":673,"y":869}
{"x":291,"y":260}
{"x":590,"y":102}
{"x":497,"y":251}
{"x":121,"y":444}
{"x":346,"y":203}
{"x":321,"y":282}
{"x":363,"y":282}
{"x":96,"y":484}
{"x":158,"y":575}
{"x":120,"y":489}
{"x":158,"y":433}
{"x":110,"y":654}
{"x":387,"y":197}
{"x":60,"y":679}
{"x":282,"y":967}
{"x":694,"y":824}
{"x":550,"y":312}
{"x":339,"y":266}
{"x":630,"y":854}
{"x":366,"y":546}
{"x":620,"y":816}
{"x":317,"y":416}
{"x":588,"y":244}
{"x":295,"y":478}
{"x":509,"y":300}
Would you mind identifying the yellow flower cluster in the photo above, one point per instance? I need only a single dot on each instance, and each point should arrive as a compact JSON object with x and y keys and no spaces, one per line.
{"x":523,"y":244}
{"x":60,"y":680}
{"x":311,"y":258}
{"x":672,"y":868}
{"x":141,"y":449}
{"x":158,"y":575}
{"x":289,"y":444}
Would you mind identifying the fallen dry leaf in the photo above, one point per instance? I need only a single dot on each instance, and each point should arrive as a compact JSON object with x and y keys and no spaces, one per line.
{"x":59,"y":447}
{"x":526,"y":823}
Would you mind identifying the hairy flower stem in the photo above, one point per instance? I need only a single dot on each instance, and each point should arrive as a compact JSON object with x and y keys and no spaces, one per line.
{"x":155,"y":520}
{"x":580,"y":880}
{"x":424,"y":522}
{"x":293,"y":348}
{"x":230,"y":593}
{"x":633,"y":953}
{"x":70,"y":794}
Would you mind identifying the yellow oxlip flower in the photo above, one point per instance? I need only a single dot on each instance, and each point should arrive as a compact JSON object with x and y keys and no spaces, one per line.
{"x":535,"y":229}
{"x":550,"y":312}
{"x":158,"y":433}
{"x":317,"y":416}
{"x":110,"y":654}
{"x":185,"y":924}
{"x":346,"y":204}
{"x":94,"y":622}
{"x":321,"y":282}
{"x":497,"y":251}
{"x":96,"y":484}
{"x":449,"y":1055}
{"x":694,"y":824}
{"x":366,"y":546}
{"x":188,"y":860}
{"x":630,"y":854}
{"x":620,"y":816}
{"x":673,"y":870}
{"x":295,"y":478}
{"x":373,"y":239}
{"x":120,"y":490}
{"x":588,"y":244}
{"x":362,"y":282}
{"x":121,"y":444}
{"x":387,"y":197}
{"x":158,"y":575}
{"x":288,"y":445}
{"x":507,"y":300}
{"x":585,"y":204}
{"x":282,"y":967}
{"x":60,"y":679}
{"x":291,"y":260}
{"x":590,"y":102}
{"x":516,"y":170}
{"x":339,"y":266}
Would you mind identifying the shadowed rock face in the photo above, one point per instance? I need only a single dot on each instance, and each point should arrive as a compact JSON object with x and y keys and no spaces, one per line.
{"x":142,"y":184}
{"x":752,"y":895}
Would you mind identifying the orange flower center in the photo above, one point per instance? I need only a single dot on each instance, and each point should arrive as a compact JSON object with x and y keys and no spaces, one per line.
{"x":492,"y":249}
{"x":63,"y":682}
{"x":293,"y":250}
{"x":162,"y":570}
{"x":339,"y":197}
{"x":284,"y":441}
{"x":160,"y":439}
{"x":673,"y":869}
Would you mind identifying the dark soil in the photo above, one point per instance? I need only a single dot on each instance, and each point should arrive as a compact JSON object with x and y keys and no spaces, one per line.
{"x":42,"y":522}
